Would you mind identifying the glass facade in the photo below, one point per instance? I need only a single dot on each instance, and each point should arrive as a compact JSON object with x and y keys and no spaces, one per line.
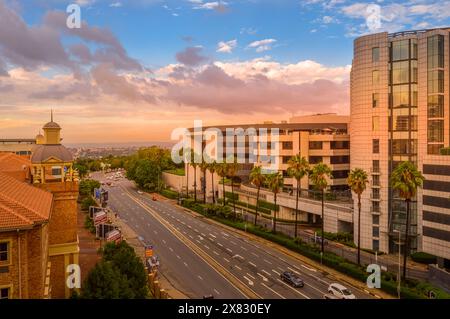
{"x":375,"y":54}
{"x":403,"y":130}
{"x":435,"y":76}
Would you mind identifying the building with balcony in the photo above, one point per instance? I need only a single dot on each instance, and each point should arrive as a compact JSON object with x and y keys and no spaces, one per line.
{"x":400,"y":112}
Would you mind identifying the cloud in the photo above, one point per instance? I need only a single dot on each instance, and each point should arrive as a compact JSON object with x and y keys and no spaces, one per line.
{"x":262,"y":45}
{"x":219,"y":6}
{"x":191,"y":56}
{"x":117,"y":4}
{"x":226,"y":47}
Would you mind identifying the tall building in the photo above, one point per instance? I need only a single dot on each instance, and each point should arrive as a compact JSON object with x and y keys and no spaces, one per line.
{"x":400,"y":112}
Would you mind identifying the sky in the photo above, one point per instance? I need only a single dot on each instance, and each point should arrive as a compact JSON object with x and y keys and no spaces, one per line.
{"x":137,"y":69}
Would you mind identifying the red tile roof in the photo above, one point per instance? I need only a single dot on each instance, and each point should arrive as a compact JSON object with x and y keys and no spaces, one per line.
{"x":22,"y":205}
{"x":12,"y":162}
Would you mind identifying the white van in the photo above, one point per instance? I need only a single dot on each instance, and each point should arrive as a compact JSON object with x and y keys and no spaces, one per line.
{"x":340,"y":291}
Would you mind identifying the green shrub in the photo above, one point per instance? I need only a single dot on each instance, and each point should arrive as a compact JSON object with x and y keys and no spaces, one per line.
{"x":270,"y":206}
{"x":87,"y":202}
{"x":87,"y":187}
{"x":89,"y":224}
{"x":445,"y":151}
{"x":423,"y":258}
{"x":231,"y":196}
{"x":169,"y":193}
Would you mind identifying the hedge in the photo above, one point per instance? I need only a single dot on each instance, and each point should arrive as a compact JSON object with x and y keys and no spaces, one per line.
{"x":424,"y":258}
{"x":271,"y":206}
{"x":169,"y":193}
{"x":231,"y":196}
{"x":87,"y":202}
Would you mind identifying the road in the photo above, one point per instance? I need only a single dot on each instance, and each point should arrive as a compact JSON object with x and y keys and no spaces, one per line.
{"x":202,"y":258}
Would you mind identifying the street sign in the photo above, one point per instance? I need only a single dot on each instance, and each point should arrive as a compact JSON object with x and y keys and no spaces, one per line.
{"x":100,"y":217}
{"x":114,"y":236}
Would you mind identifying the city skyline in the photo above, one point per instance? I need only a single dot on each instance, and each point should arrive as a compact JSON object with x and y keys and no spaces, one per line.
{"x":138,"y":69}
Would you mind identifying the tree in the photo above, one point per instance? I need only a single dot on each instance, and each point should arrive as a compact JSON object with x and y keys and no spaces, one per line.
{"x":357,"y":181}
{"x":212,"y":169}
{"x":147,"y":174}
{"x":105,"y":281}
{"x":257,"y":178}
{"x":203,"y":168}
{"x":232,"y":170}
{"x":298,"y":168}
{"x":319,"y":176}
{"x":275,"y":184}
{"x":194,"y":163}
{"x":221,"y":170}
{"x":405,"y":179}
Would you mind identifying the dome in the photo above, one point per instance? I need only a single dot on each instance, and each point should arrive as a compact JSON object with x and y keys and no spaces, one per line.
{"x":52,"y":125}
{"x":43,"y":152}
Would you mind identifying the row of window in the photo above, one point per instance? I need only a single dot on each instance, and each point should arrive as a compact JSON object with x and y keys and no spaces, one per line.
{"x":400,"y":50}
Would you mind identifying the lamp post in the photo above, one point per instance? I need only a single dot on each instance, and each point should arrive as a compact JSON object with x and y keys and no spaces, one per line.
{"x":399,"y":264}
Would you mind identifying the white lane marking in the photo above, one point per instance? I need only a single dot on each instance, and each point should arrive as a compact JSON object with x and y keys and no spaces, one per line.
{"x":189,"y":226}
{"x":238,"y":256}
{"x":252,"y":264}
{"x":254,"y":254}
{"x":238,"y":267}
{"x":215,"y":252}
{"x":262,"y":276}
{"x":206,"y":247}
{"x":203,"y":235}
{"x":185,"y":264}
{"x":198,"y":241}
{"x":233,"y":242}
{"x":170,"y":248}
{"x":191,"y":237}
{"x":178,"y":257}
{"x":228,"y":249}
{"x":266,"y":272}
{"x":196,"y":230}
{"x":249,"y":281}
{"x":184,"y":232}
{"x":293,"y":270}
{"x":310,"y":269}
{"x":164,"y":241}
{"x":279,"y":295}
{"x":216,"y":291}
{"x":243,"y":248}
{"x":276,"y":272}
{"x":200,"y":237}
{"x":199,"y":277}
{"x":212,"y":235}
{"x":280,"y":268}
{"x":293,"y":289}
{"x":226,"y":260}
{"x":219,"y":244}
{"x":250,"y":276}
{"x":225,"y":234}
{"x":267,"y":261}
{"x":156,"y":233}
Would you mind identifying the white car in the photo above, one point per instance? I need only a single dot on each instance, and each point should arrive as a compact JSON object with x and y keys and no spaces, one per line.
{"x":340,"y":291}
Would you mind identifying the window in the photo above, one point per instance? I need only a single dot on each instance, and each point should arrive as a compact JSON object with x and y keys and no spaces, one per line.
{"x":315,"y":159}
{"x":5,"y":293}
{"x":287,"y":145}
{"x":376,"y":146}
{"x":376,"y":166}
{"x":376,"y":219}
{"x":375,"y":54}
{"x":376,"y":180}
{"x":375,"y":77}
{"x":400,"y":72}
{"x":340,"y":159}
{"x":375,"y":193}
{"x":435,"y":106}
{"x":340,"y":174}
{"x":435,"y":51}
{"x":400,"y":96}
{"x":435,"y":81}
{"x":376,"y":207}
{"x":375,"y":123}
{"x":436,"y":131}
{"x":376,"y":231}
{"x":340,"y":145}
{"x":400,"y":50}
{"x":375,"y":99}
{"x":4,"y":252}
{"x":315,"y":145}
{"x":286,"y":159}
{"x":376,"y":245}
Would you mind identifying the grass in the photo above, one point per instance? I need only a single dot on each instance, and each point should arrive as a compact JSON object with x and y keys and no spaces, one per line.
{"x":176,"y":171}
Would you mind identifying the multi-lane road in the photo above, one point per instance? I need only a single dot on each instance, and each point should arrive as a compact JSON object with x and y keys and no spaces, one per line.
{"x":201,"y":258}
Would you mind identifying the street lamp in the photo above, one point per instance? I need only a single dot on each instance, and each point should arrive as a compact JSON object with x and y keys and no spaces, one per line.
{"x":399,"y":263}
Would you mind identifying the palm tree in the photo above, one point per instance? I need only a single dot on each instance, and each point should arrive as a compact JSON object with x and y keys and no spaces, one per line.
{"x":221,"y":170}
{"x":203,"y":168}
{"x":275,"y":184}
{"x":187,"y":152}
{"x":319,"y":176}
{"x":298,"y":168}
{"x":232,"y":169}
{"x":212,"y":169}
{"x":257,"y":178}
{"x":194,"y":164}
{"x":357,"y":181}
{"x":406,"y":178}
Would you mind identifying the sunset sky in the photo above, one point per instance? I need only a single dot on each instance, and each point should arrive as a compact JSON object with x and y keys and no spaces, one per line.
{"x":137,"y":69}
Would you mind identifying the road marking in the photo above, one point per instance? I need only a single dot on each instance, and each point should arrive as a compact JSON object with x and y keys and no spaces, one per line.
{"x":262,"y":276}
{"x":219,"y":244}
{"x":293,"y":270}
{"x":203,"y":234}
{"x":216,"y":291}
{"x":199,"y":277}
{"x":226,"y":260}
{"x":164,"y":241}
{"x":276,"y":272}
{"x":254,"y":254}
{"x":215,"y":252}
{"x":196,"y":230}
{"x":228,"y":249}
{"x":206,"y":247}
{"x":198,"y":241}
{"x":252,"y":264}
{"x":280,"y":268}
{"x":266,"y":272}
{"x":200,"y":237}
{"x":178,"y":257}
{"x":279,"y":295}
{"x":250,"y":276}
{"x":293,"y":289}
{"x":233,"y":242}
{"x":189,"y":226}
{"x":243,"y":248}
{"x":225,"y":234}
{"x":184,"y":232}
{"x":267,"y":261}
{"x":310,"y":269}
{"x":238,"y":267}
{"x":212,"y":235}
{"x":238,"y":256}
{"x":170,"y":248}
{"x":191,"y":237}
{"x":249,"y":281}
{"x":185,"y":264}
{"x":155,"y":232}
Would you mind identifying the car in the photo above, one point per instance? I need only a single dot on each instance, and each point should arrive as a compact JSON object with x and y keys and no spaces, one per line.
{"x":340,"y":291}
{"x":330,"y":296}
{"x":292,"y":279}
{"x":208,"y":297}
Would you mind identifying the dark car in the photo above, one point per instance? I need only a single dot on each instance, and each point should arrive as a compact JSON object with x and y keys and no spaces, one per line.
{"x":292,"y":279}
